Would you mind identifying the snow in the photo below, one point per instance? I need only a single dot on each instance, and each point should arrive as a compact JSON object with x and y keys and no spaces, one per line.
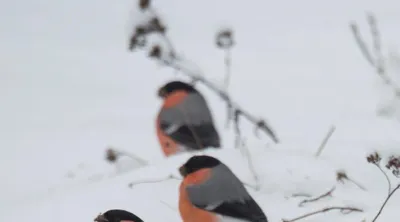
{"x":69,"y":89}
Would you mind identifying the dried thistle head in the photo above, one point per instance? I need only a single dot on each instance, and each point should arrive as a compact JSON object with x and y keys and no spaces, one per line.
{"x":137,"y":41}
{"x":155,"y":52}
{"x":394,"y":165}
{"x":374,"y":158}
{"x":224,"y":39}
{"x":138,"y":38}
{"x":141,"y":30}
{"x":341,"y":176}
{"x":144,"y":4}
{"x":111,"y":155}
{"x":155,"y":25}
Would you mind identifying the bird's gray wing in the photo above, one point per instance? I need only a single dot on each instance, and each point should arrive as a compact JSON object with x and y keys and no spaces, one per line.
{"x":190,"y":123}
{"x":223,"y":193}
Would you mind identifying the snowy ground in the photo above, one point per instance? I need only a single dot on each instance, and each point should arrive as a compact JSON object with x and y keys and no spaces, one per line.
{"x":69,"y":88}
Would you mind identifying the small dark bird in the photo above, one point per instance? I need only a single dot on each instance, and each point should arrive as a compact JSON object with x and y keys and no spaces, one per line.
{"x":185,"y":122}
{"x":210,"y":192}
{"x":117,"y":215}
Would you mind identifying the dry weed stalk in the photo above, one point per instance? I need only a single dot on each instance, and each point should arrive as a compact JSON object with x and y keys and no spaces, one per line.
{"x":168,"y":56}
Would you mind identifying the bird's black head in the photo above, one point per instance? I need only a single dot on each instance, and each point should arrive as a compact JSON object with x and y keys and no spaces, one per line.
{"x":196,"y":163}
{"x":174,"y":86}
{"x":117,"y":215}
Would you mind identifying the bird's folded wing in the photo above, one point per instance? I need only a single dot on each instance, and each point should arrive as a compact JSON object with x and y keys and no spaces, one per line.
{"x":224,"y":194}
{"x":189,"y":122}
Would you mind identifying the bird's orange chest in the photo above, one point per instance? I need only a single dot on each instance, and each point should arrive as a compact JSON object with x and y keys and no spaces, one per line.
{"x":168,"y":146}
{"x":190,"y":213}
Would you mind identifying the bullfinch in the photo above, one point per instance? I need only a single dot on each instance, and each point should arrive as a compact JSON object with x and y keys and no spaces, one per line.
{"x":210,"y":192}
{"x":184,"y":122}
{"x":117,"y":215}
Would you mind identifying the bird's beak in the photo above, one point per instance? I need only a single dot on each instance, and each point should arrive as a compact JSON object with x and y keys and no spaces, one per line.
{"x":101,"y":218}
{"x":182,"y":171}
{"x":161,"y":93}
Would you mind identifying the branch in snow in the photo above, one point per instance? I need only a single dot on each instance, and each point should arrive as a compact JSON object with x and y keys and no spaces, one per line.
{"x":385,"y":202}
{"x":224,"y":41}
{"x":341,"y":177}
{"x":301,"y":195}
{"x":343,"y":210}
{"x":169,"y":206}
{"x":375,"y":159}
{"x":252,"y":169}
{"x":167,"y":55}
{"x":169,"y":177}
{"x":324,"y":195}
{"x":375,"y":57}
{"x":325,"y":140}
{"x":392,"y":164}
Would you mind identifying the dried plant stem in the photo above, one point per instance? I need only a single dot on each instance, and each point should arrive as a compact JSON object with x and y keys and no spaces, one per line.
{"x":301,"y":195}
{"x":376,"y":60}
{"x":168,"y":205}
{"x":228,"y":65}
{"x":169,"y":177}
{"x":141,"y":161}
{"x":385,"y":202}
{"x":386,"y":176}
{"x":341,"y":209}
{"x":327,"y":194}
{"x":357,"y":184}
{"x":251,"y":167}
{"x":325,"y":140}
{"x":177,"y":62}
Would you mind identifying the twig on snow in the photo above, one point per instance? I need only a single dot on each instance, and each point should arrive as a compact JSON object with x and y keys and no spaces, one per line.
{"x":375,"y":159}
{"x":239,"y":141}
{"x":251,"y":167}
{"x":393,"y":164}
{"x":301,"y":195}
{"x":343,"y":210}
{"x":385,"y":202}
{"x":375,"y":58}
{"x":327,"y":194}
{"x":341,"y":176}
{"x":325,"y":140}
{"x":386,"y":176}
{"x":169,"y":177}
{"x":168,"y":205}
{"x":224,"y":40}
{"x":170,"y":58}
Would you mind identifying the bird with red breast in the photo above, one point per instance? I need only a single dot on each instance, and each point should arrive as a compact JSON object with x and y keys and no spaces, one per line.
{"x":211,"y":192}
{"x":184,"y":122}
